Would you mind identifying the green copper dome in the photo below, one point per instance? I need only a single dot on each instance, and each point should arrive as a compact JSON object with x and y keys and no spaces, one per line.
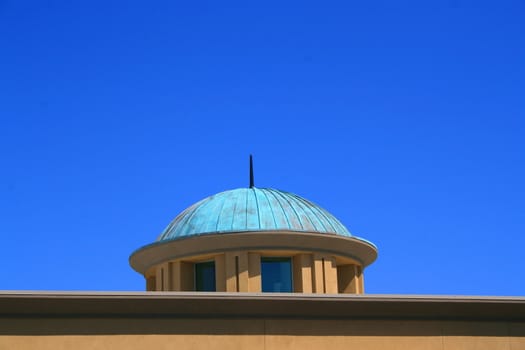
{"x":252,"y":209}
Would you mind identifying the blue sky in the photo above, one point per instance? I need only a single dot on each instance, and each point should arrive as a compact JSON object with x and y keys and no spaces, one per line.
{"x":403,"y":119}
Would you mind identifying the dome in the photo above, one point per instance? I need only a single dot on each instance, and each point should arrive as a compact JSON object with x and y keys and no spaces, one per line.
{"x":252,"y":209}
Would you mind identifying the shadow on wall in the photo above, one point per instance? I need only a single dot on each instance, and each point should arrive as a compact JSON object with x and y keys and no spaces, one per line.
{"x":254,"y":326}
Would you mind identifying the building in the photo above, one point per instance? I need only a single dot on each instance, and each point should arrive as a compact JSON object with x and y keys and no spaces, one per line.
{"x":255,"y":240}
{"x":256,"y":268}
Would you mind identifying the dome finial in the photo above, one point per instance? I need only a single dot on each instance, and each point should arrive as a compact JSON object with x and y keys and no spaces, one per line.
{"x":252,"y":185}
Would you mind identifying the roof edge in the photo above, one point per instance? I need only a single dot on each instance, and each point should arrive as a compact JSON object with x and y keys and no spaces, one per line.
{"x":250,"y":305}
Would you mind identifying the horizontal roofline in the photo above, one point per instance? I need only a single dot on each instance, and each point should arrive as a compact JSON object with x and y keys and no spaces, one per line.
{"x":363,"y":252}
{"x":259,"y":305}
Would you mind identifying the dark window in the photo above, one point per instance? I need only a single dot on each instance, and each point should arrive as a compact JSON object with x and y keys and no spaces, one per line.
{"x":205,"y":277}
{"x":276,"y":274}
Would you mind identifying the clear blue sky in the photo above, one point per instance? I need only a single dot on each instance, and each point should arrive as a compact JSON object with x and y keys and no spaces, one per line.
{"x":404,"y":119}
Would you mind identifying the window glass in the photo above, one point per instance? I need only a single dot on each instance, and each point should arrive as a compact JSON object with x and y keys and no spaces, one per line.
{"x":205,"y":277}
{"x":276,"y":274}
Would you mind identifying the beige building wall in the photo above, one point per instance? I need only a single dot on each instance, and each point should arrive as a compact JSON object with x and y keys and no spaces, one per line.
{"x":181,"y":276}
{"x":350,"y":279}
{"x":240,"y":271}
{"x":302,"y":273}
{"x":254,"y":272}
{"x":117,"y":320}
{"x":324,"y":272}
{"x":317,"y":259}
{"x":267,"y":334}
{"x":162,"y":277}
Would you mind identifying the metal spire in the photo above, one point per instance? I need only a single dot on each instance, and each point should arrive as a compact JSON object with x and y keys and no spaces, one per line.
{"x":252,"y":185}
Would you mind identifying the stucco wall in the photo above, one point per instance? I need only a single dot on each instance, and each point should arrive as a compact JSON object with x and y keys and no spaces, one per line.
{"x":254,"y":333}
